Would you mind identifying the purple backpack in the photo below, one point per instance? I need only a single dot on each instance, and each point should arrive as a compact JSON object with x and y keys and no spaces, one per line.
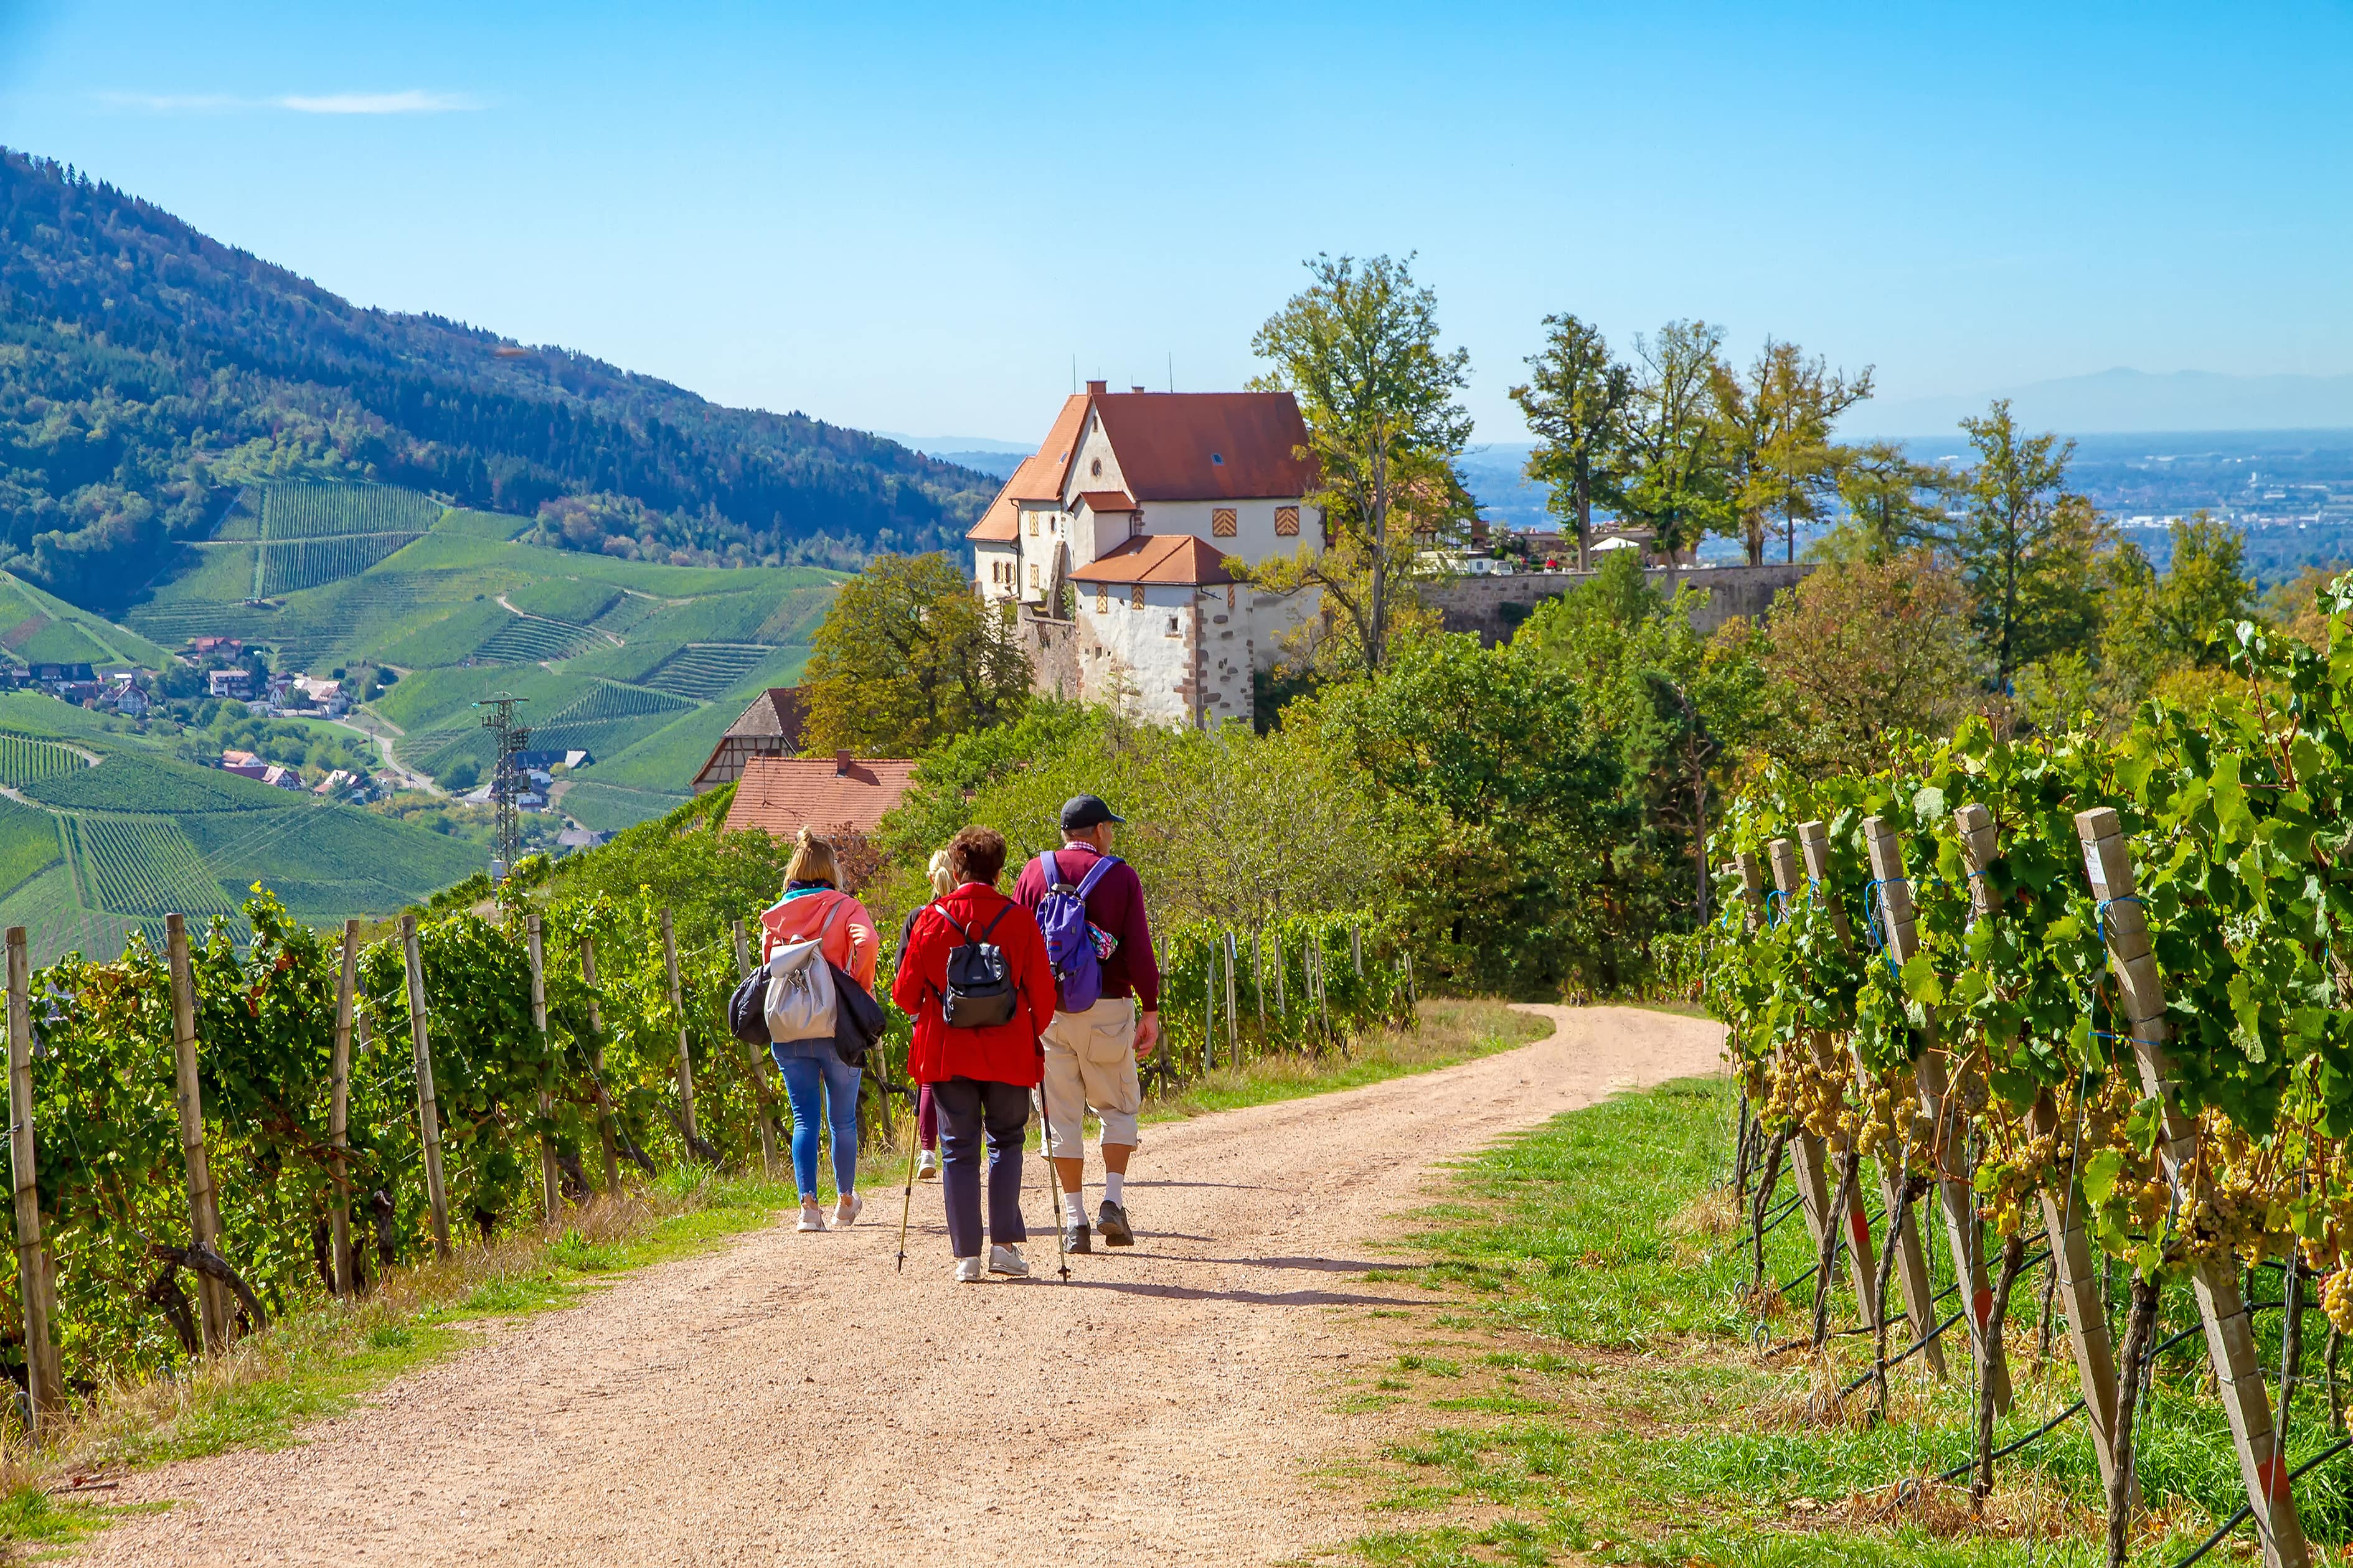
{"x":1073,"y":944}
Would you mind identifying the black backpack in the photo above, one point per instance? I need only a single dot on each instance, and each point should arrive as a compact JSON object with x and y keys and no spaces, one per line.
{"x":980,"y":993}
{"x":747,"y":1009}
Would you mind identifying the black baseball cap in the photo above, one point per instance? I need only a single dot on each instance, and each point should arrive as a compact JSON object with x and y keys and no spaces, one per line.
{"x":1082,"y":811}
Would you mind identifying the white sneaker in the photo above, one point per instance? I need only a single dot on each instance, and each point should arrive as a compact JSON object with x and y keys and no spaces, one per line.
{"x":812,"y":1217}
{"x":968,"y":1271}
{"x":846,"y":1212}
{"x":1008,"y":1261}
{"x":927,"y":1167}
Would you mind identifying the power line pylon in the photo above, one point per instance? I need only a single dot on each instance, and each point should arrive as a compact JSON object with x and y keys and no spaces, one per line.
{"x":506,"y":779}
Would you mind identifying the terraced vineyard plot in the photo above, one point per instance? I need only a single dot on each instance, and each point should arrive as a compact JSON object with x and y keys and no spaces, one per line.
{"x":703,"y":670}
{"x":610,"y":699}
{"x":289,"y":566}
{"x":626,"y":612}
{"x":24,"y":761}
{"x":324,"y":512}
{"x":526,"y":641}
{"x":127,"y":782}
{"x":565,"y":599}
{"x":142,"y":865}
{"x":29,"y":844}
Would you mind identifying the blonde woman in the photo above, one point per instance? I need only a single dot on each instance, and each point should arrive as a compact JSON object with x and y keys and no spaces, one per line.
{"x":820,"y":1084}
{"x":927,"y":1114}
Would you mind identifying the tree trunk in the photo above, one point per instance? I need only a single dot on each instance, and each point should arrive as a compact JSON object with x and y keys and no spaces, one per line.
{"x":1834,"y":1224}
{"x":1584,"y":515}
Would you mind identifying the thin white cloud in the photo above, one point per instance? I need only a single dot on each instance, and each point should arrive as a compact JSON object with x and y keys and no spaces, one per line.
{"x":414,"y":101}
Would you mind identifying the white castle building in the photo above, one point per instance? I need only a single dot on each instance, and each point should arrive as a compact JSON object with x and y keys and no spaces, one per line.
{"x":1111,"y":541}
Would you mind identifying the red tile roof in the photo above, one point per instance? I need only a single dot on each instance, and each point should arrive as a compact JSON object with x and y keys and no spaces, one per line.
{"x":1108,"y":500}
{"x":784,"y":795}
{"x":1041,"y":476}
{"x":1176,"y":558}
{"x":1208,"y":445}
{"x":1001,"y":523}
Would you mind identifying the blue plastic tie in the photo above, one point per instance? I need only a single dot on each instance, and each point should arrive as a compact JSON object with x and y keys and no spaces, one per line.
{"x":2103,"y":911}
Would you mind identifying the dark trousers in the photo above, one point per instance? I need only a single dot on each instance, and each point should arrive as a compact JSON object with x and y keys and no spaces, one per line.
{"x":966,"y":1107}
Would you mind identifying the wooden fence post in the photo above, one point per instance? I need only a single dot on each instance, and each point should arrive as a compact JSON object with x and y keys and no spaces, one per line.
{"x":1806,"y":1148}
{"x":685,"y":1063}
{"x":45,"y":1380}
{"x":428,"y":1108}
{"x":1282,"y":1002}
{"x":1258,"y":980}
{"x":1233,"y":1029}
{"x":1963,"y":1233}
{"x":1356,"y":949}
{"x":2230,"y":1331}
{"x":2062,"y":1217}
{"x":1903,"y":1226}
{"x":597,"y":1066}
{"x":760,"y":1090}
{"x":204,"y":1214}
{"x":551,"y":1189}
{"x":339,"y":1110}
{"x":1210,"y":1015}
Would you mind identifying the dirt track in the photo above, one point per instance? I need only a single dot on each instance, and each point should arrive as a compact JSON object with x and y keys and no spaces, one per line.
{"x":790,"y":1399}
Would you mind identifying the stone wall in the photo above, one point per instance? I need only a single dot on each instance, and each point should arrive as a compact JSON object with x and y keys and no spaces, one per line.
{"x":1495,"y":606}
{"x":1052,"y":647}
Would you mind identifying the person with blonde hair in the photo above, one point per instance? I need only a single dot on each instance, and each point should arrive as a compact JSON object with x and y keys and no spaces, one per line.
{"x":821,"y":1087}
{"x":927,"y":1111}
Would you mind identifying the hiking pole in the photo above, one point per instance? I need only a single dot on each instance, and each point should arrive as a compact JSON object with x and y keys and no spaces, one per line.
{"x":1053,"y":1183}
{"x":907,"y":1199}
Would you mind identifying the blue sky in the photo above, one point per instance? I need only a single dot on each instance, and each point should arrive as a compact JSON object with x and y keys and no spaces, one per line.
{"x":912,"y":218}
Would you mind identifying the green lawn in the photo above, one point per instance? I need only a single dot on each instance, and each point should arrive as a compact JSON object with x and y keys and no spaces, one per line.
{"x":1588,"y":1389}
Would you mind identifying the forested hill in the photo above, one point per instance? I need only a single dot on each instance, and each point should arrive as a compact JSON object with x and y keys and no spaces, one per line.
{"x":148,"y":372}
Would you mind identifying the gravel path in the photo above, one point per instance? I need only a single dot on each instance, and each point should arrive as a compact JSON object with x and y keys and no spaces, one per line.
{"x":791,"y":1399}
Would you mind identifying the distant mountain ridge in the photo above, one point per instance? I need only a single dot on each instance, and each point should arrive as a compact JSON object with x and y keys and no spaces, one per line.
{"x":2125,"y":402}
{"x":147,"y":372}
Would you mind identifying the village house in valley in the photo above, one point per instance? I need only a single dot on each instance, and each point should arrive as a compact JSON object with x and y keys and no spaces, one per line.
{"x":1109,"y":545}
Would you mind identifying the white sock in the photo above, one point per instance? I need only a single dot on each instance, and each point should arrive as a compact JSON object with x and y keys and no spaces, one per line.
{"x":1113,"y":1182}
{"x":1074,"y":1208}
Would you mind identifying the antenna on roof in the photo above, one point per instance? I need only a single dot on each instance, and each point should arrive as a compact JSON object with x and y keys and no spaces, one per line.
{"x":1172,"y":370}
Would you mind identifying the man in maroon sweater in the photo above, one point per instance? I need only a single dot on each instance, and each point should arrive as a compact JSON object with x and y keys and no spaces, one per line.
{"x":1091,"y":1057}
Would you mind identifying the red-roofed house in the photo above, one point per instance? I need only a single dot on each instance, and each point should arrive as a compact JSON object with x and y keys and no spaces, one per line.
{"x":842,"y":797}
{"x":770,"y":727}
{"x":1134,"y":501}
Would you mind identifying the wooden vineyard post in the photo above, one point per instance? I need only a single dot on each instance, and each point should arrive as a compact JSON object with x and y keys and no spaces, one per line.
{"x":1963,"y":1234}
{"x":551,"y":1189}
{"x":597,"y":1066}
{"x":1903,"y":1225}
{"x":203,"y":1215}
{"x":2230,"y":1331}
{"x":760,"y":1090}
{"x":2062,"y":1217}
{"x":1233,"y":1029}
{"x":685,"y":1062}
{"x":1258,"y":982}
{"x":1210,"y":1015}
{"x":339,"y":1110}
{"x":1356,"y":949}
{"x":1281,"y":1003}
{"x":1806,"y":1148}
{"x":428,"y":1109}
{"x":45,"y":1375}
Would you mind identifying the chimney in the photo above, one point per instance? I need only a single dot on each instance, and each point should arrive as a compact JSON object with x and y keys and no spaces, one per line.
{"x":1135,"y":389}
{"x":841,"y":763}
{"x":1097,"y":388}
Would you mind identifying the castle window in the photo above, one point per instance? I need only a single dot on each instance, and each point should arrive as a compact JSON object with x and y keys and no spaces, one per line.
{"x":1033,"y":525}
{"x":1095,"y":468}
{"x":1221,"y":522}
{"x":1172,"y":625}
{"x":1033,"y":573}
{"x":1286,"y":521}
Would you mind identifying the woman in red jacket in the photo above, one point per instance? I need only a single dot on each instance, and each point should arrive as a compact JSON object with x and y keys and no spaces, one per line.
{"x":980,"y":1076}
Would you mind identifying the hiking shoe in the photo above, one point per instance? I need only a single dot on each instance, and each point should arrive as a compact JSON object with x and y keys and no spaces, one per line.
{"x":1077,"y":1237}
{"x":927,"y":1167}
{"x":812,"y":1217}
{"x":968,"y":1271}
{"x":1112,"y":1222}
{"x":846,"y":1212}
{"x":1008,"y":1261}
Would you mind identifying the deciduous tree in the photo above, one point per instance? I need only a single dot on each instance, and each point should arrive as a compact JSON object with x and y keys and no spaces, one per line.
{"x":1894,"y":505}
{"x":1359,"y":348}
{"x":1772,"y":426}
{"x":1577,"y":402}
{"x":907,"y":655}
{"x":1866,"y":651}
{"x":1676,"y":484}
{"x":2028,"y":549}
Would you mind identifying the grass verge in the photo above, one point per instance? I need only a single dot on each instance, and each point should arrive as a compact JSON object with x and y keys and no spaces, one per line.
{"x":1591,"y":1390}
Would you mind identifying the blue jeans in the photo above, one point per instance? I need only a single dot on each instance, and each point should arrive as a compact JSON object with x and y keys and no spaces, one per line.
{"x":822,"y":1088}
